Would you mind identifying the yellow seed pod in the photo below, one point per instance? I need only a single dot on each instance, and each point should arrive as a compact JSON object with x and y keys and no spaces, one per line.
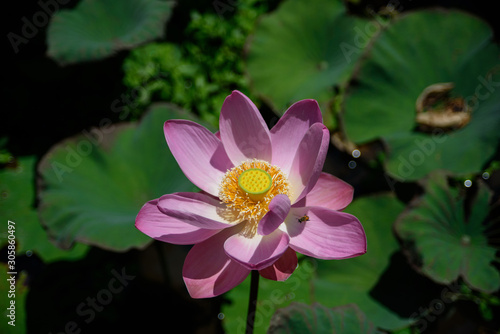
{"x":255,"y":182}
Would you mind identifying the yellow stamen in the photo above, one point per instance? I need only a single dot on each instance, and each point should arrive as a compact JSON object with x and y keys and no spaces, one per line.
{"x":248,"y":189}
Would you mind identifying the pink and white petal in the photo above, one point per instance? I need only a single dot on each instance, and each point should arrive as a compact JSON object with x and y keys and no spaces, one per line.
{"x":154,"y":223}
{"x":282,"y":268}
{"x":278,"y":210}
{"x":243,"y":131}
{"x":308,"y":161}
{"x":208,"y":271}
{"x":197,"y":209}
{"x":328,"y":234}
{"x":287,"y":134}
{"x":329,"y":192}
{"x":257,"y":252}
{"x":199,"y":153}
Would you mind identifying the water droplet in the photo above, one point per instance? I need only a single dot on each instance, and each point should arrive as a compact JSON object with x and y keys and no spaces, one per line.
{"x":468,"y":183}
{"x":29,"y":253}
{"x":4,"y":194}
{"x":486,"y":175}
{"x":352,"y":164}
{"x":220,"y":316}
{"x":356,"y":153}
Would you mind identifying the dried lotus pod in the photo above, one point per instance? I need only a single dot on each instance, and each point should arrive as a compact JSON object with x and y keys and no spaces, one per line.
{"x":437,"y":109}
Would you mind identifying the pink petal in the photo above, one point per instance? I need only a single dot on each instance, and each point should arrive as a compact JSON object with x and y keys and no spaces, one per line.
{"x":159,"y":226}
{"x":257,"y":252}
{"x":282,"y":268}
{"x":278,"y":210}
{"x":328,"y":234}
{"x":329,"y":192}
{"x":287,"y":134}
{"x":243,"y":131}
{"x":198,"y":152}
{"x":308,"y":161}
{"x":208,"y":271}
{"x":197,"y":209}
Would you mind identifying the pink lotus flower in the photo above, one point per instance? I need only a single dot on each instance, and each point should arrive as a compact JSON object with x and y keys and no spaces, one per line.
{"x":263,"y":197}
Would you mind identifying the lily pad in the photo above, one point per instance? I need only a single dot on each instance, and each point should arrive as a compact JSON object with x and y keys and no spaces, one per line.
{"x":96,"y":29}
{"x":317,"y":319}
{"x":303,"y":51}
{"x":93,"y":185}
{"x":448,"y":242}
{"x":417,"y":52}
{"x":331,"y":283}
{"x":351,"y":281}
{"x":17,"y":189}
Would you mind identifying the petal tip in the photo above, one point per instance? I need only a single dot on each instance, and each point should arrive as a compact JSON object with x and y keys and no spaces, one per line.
{"x":236,"y":92}
{"x":312,"y":102}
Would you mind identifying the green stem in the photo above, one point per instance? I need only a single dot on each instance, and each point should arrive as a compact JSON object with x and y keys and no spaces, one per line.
{"x":252,"y":301}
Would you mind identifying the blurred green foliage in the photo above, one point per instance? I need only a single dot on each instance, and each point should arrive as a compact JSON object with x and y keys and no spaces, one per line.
{"x":94,"y":186}
{"x":115,"y":26}
{"x":300,"y":318}
{"x":298,"y":52}
{"x":5,"y":156}
{"x":199,"y":73}
{"x":17,"y":199}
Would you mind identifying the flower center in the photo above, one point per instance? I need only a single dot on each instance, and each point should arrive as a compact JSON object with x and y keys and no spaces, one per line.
{"x":248,"y":189}
{"x":255,"y":182}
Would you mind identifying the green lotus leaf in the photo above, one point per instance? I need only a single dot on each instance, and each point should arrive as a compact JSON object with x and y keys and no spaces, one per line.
{"x":418,"y":56}
{"x":317,"y":319}
{"x":304,"y":49}
{"x":351,"y":281}
{"x":96,"y":29}
{"x":13,"y":301}
{"x":448,"y":243}
{"x":93,"y":185}
{"x":17,"y":189}
{"x":331,"y":283}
